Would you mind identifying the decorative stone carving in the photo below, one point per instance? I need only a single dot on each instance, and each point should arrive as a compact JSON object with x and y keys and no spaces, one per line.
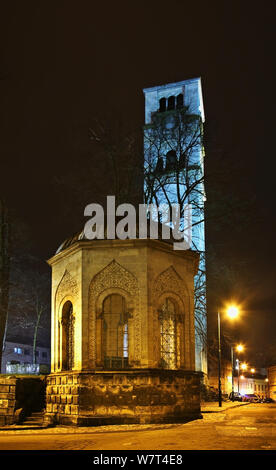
{"x":113,"y":276}
{"x":67,"y":287}
{"x":169,"y":281}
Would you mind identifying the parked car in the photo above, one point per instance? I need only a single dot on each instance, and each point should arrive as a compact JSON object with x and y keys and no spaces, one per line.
{"x":251,"y":397}
{"x":235,"y":396}
{"x":267,"y":400}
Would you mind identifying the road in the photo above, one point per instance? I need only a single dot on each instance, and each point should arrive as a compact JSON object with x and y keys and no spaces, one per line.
{"x":251,"y":427}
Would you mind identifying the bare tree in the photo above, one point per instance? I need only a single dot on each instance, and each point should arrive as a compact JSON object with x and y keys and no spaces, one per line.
{"x":4,"y":271}
{"x":29,"y":307}
{"x":120,"y":147}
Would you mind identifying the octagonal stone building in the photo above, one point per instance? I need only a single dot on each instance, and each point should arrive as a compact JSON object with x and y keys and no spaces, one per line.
{"x":123,"y":340}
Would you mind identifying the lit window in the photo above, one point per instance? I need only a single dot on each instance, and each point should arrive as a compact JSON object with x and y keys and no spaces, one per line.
{"x":18,"y":350}
{"x":115,"y":332}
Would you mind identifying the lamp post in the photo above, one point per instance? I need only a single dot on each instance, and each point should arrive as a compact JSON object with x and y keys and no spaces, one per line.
{"x":239,"y":348}
{"x":238,"y":364}
{"x":232,"y":313}
{"x":219,"y":363}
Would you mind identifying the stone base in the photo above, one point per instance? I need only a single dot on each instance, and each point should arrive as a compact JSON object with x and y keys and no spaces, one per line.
{"x":122,"y":397}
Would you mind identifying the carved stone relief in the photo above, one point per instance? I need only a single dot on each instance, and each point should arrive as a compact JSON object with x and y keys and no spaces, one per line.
{"x":67,"y":287}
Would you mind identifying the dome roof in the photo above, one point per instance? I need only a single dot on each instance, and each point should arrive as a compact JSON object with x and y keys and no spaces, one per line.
{"x":80,"y":236}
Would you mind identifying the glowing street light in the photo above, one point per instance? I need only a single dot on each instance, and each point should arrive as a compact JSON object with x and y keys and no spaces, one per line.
{"x":252,"y":370}
{"x":239,"y":348}
{"x":232,"y":311}
{"x":244,"y":366}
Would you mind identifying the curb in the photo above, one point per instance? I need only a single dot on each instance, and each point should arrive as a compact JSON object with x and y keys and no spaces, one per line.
{"x":225,"y":409}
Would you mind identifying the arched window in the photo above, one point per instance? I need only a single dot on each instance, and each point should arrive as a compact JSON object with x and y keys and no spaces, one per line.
{"x":159,"y":165}
{"x":171,"y":102}
{"x":115,"y":332}
{"x":67,"y":336}
{"x":180,"y":101}
{"x":162,"y":105}
{"x":168,"y":335}
{"x":171,"y":160}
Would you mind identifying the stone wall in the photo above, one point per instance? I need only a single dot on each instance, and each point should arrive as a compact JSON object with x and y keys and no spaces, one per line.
{"x":7,"y":400}
{"x":20,"y":396}
{"x":123,"y":397}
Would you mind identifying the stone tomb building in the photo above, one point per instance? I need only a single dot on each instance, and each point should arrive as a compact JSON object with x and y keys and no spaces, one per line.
{"x":123,"y":340}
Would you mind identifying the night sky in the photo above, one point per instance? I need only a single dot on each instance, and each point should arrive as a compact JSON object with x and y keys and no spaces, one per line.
{"x":65,"y":63}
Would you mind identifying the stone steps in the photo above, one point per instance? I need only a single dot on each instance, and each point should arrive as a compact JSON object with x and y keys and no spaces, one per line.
{"x":36,"y":419}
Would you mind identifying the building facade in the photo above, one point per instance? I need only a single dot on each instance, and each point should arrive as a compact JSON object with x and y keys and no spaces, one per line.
{"x":17,"y":358}
{"x":271,"y":371}
{"x":123,"y":343}
{"x":174,"y":173}
{"x":244,"y":383}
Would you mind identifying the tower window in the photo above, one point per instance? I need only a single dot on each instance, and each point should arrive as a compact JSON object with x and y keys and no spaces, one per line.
{"x":171,"y":160}
{"x":159,"y":165}
{"x":162,"y":105}
{"x":171,"y":102}
{"x":180,"y":101}
{"x":115,"y":332}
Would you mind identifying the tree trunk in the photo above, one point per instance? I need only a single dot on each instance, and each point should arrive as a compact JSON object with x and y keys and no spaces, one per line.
{"x":39,"y":312}
{"x":4,"y":271}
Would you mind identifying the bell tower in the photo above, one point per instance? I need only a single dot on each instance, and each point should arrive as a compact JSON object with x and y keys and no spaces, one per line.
{"x":174,"y":172}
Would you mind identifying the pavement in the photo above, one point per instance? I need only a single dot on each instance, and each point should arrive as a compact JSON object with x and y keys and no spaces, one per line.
{"x":238,"y":427}
{"x":213,"y":407}
{"x":207,"y":407}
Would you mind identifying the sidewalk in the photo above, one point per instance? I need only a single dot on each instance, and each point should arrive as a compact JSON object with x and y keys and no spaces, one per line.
{"x":213,"y":407}
{"x":210,"y":407}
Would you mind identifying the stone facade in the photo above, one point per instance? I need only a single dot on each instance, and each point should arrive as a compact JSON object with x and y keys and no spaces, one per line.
{"x":125,"y":397}
{"x":83,"y":387}
{"x":7,"y":400}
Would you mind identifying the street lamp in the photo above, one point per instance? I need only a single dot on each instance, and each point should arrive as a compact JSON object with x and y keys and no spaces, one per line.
{"x":232,"y":312}
{"x":239,"y":348}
